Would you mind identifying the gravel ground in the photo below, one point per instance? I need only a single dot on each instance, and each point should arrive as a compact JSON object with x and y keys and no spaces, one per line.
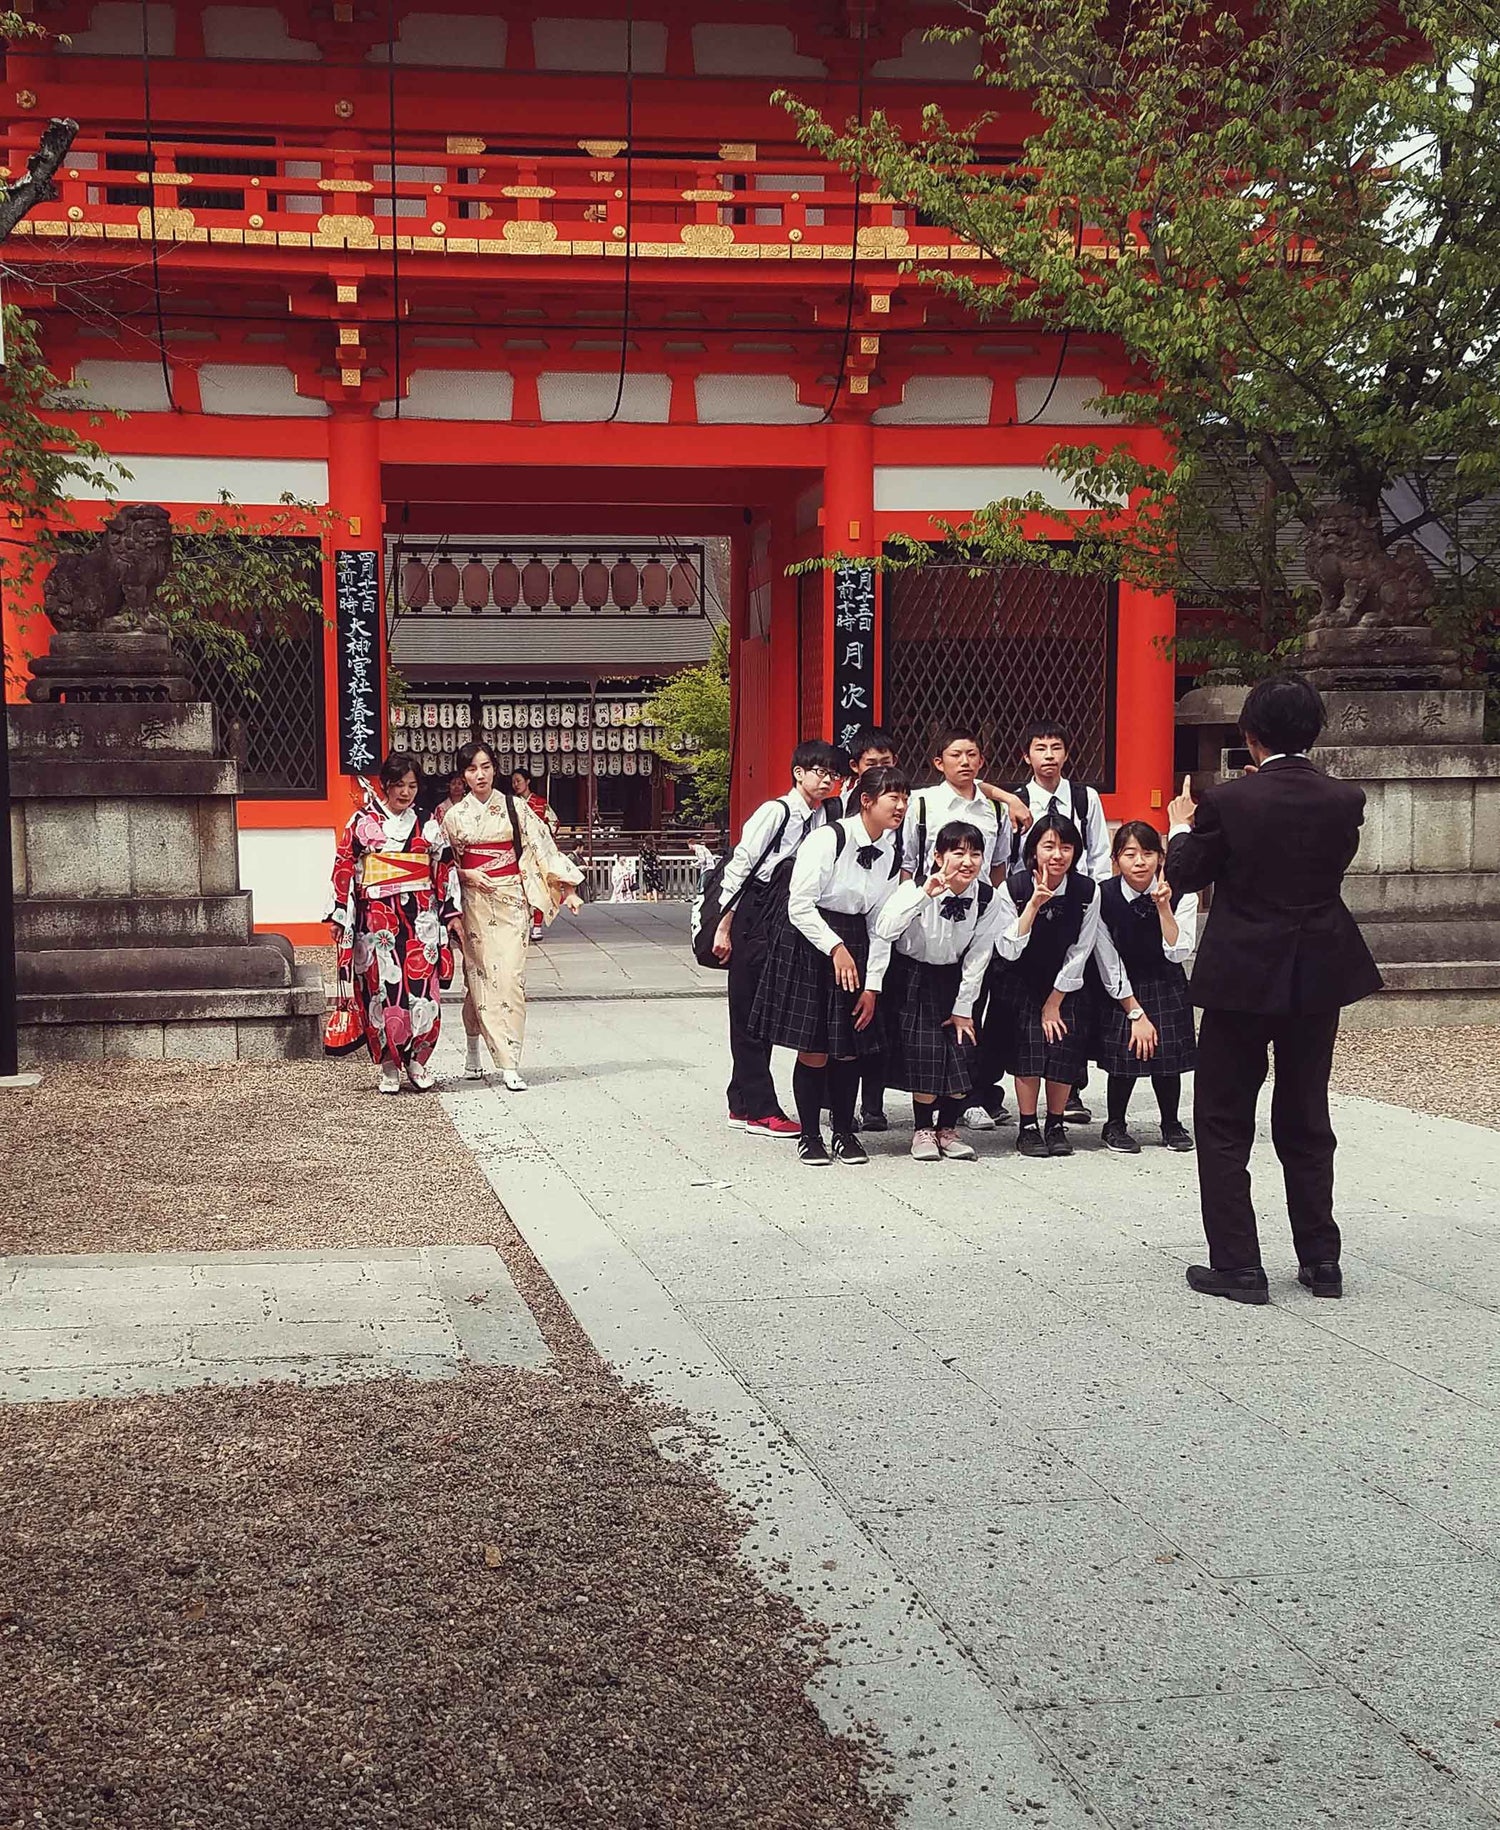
{"x":477,"y":1602}
{"x":1416,"y":1068}
{"x":480,"y":1602}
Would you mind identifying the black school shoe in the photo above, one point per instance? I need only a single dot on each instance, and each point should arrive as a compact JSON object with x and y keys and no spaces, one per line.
{"x":1177,"y":1137}
{"x":1055,"y":1136}
{"x":847,"y":1148}
{"x":1116,"y":1137}
{"x":1238,"y":1286}
{"x":1030,"y":1142}
{"x":812,"y":1150}
{"x":1075,"y":1112}
{"x":872,"y":1121}
{"x":1325,"y":1279}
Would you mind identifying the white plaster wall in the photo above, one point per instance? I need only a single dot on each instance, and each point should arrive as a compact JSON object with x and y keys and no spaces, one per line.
{"x":461,"y":40}
{"x":256,"y":482}
{"x":566,"y":394}
{"x":751,"y":50}
{"x":253,"y":31}
{"x":962,"y":488}
{"x":287,"y":871}
{"x":940,"y":400}
{"x":114,"y":30}
{"x":1067,"y":406}
{"x":751,"y":400}
{"x":598,"y":44}
{"x":939,"y":61}
{"x":138,"y":387}
{"x":454,"y":394}
{"x":256,"y":389}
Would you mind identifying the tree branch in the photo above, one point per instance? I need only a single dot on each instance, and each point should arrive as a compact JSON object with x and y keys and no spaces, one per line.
{"x":37,"y":186}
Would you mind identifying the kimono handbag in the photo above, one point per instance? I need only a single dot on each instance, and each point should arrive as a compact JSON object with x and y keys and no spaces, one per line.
{"x":343,"y":1027}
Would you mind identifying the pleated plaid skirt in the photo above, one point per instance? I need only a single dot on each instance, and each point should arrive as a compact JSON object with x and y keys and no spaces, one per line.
{"x":1014,"y":1042}
{"x":1165,"y":1001}
{"x":920,"y":1054}
{"x":798,"y":1003}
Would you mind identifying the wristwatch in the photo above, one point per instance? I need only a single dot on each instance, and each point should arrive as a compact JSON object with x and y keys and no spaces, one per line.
{"x":1136,"y":1014}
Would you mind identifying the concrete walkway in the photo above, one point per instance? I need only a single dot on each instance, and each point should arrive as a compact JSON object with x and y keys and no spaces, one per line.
{"x":620,"y":950}
{"x":1096,"y":1551}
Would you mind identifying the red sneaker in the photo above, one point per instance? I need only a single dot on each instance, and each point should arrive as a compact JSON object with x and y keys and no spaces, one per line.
{"x":775,"y":1126}
{"x":737,"y":1121}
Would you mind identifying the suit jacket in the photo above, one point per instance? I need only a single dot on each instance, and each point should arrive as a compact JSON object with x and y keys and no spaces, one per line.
{"x":1275,"y":845}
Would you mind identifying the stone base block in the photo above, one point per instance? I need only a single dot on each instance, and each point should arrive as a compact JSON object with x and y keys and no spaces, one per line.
{"x":1398,"y":1009}
{"x":44,"y":924}
{"x":303,"y":998}
{"x":72,"y":971}
{"x":213,"y":1043}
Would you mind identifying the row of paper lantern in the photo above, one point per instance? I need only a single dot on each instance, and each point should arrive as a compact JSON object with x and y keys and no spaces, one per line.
{"x":536,"y":743}
{"x":454,"y":715}
{"x":444,"y":585}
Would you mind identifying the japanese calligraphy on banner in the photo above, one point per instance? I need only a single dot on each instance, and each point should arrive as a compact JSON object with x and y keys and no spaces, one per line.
{"x":357,"y":589}
{"x":853,"y":651}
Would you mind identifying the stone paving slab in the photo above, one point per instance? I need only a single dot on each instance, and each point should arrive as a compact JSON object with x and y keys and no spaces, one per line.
{"x":1066,"y":1519}
{"x":73,"y":1327}
{"x":611,"y":951}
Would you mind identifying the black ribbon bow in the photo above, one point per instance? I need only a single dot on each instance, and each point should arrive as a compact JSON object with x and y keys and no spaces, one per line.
{"x":866,"y":856}
{"x":954,"y":908}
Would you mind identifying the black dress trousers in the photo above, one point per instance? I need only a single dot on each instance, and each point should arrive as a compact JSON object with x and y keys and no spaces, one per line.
{"x":1232,"y":1059}
{"x":751,"y":1090}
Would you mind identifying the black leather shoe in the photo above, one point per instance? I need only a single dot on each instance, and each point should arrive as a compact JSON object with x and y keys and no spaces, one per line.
{"x":1177,"y":1137}
{"x":812,"y":1150}
{"x":1325,"y":1279}
{"x":873,"y":1121}
{"x":1056,"y":1138}
{"x":1116,"y":1137}
{"x":1030,"y":1142}
{"x":1238,"y":1286}
{"x":847,"y":1148}
{"x":1075,"y":1112}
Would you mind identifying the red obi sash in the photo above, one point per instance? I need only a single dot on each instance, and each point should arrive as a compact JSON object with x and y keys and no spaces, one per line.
{"x":493,"y":860}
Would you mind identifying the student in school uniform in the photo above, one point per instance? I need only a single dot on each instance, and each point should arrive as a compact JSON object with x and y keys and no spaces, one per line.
{"x":773,"y":832}
{"x":942,"y":931}
{"x":825,"y":964}
{"x":1143,"y":1023}
{"x":1047,"y":788}
{"x":869,"y":748}
{"x":1036,"y":1028}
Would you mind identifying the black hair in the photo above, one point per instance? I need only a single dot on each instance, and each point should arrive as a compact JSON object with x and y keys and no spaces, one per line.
{"x":870,"y":737}
{"x":816,"y":754}
{"x":468,"y":753}
{"x":398,"y":764}
{"x":959,"y":835}
{"x":1284,"y":713}
{"x":884,"y":778}
{"x":518,"y":770}
{"x":1051,"y":822}
{"x":1045,"y":727}
{"x":1144,"y":834}
{"x":953,"y":733}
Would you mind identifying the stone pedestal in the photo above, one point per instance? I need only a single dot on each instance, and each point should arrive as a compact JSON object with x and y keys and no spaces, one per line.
{"x":134,"y":939}
{"x":1425,"y":886}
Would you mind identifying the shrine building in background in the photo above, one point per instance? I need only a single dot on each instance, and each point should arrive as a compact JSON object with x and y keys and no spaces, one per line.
{"x":585,"y":351}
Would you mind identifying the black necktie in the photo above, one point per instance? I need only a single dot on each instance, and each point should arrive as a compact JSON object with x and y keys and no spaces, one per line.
{"x":1052,"y":808}
{"x":866,"y":856}
{"x":954,"y":908}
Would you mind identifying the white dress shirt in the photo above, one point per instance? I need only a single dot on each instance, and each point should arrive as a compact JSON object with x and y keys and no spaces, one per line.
{"x":1112,"y":967}
{"x":913,"y":921}
{"x":940,"y":804}
{"x":1010,"y":943}
{"x":757,"y":833}
{"x":1096,"y":861}
{"x":838,"y":881}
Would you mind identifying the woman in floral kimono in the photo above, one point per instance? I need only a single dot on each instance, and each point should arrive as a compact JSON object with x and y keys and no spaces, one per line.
{"x":395,"y":909}
{"x":503,"y":883}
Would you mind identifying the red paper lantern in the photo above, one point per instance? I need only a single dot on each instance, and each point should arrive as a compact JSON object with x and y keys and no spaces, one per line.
{"x":683,"y":586}
{"x":566,"y":584}
{"x":446,"y":584}
{"x":536,"y":583}
{"x":476,"y":584}
{"x":594,"y":584}
{"x":654,"y":585}
{"x":505,"y":585}
{"x":416,"y":586}
{"x":624,"y":584}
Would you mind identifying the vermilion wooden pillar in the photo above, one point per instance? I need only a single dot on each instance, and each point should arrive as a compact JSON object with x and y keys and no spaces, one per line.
{"x":1144,"y":703}
{"x":848,"y":528}
{"x":354,"y":494}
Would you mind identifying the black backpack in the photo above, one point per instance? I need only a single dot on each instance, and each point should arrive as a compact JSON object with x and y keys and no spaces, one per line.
{"x":708,"y":910}
{"x":779,"y":890}
{"x":1078,"y":813}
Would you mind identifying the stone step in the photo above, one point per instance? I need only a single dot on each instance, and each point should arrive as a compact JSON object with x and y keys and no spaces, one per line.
{"x":1390,"y":896}
{"x":44,"y":923}
{"x":1481,"y":975}
{"x":131,"y":778}
{"x":304,"y":997}
{"x":64,"y":970}
{"x":1431,"y":942}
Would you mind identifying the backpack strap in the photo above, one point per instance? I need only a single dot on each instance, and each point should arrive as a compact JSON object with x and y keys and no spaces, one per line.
{"x":838,"y":840}
{"x":755,"y":869}
{"x":986,"y":896}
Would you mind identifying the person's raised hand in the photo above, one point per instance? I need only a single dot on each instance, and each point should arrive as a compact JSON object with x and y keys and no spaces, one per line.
{"x":1161,"y":894}
{"x":1182,"y":807}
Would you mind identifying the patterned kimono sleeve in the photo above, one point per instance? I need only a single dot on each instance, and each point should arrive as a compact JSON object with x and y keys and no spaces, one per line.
{"x":340,"y":909}
{"x":444,"y":872}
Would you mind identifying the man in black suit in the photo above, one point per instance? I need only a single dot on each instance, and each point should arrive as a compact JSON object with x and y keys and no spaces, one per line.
{"x":1279,"y":958}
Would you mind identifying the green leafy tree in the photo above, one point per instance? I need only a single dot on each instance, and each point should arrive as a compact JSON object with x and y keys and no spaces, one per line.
{"x":1285,"y":214}
{"x":693,"y":712}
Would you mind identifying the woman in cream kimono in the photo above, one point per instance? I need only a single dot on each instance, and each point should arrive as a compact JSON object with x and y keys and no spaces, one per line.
{"x":502,"y":884}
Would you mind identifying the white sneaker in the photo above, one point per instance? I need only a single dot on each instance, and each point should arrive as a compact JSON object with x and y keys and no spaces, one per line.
{"x":420,"y":1075}
{"x":473,"y":1061}
{"x":977,"y":1119}
{"x":390,"y":1079}
{"x":512,"y":1081}
{"x":951,"y":1144}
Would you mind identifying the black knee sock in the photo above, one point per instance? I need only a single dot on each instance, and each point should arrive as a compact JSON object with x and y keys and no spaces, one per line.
{"x":948,"y":1111}
{"x":871,"y":1093}
{"x":843,"y":1088}
{"x":1168,"y":1093}
{"x":808,"y":1088}
{"x":922,"y":1114}
{"x":1120,"y":1087}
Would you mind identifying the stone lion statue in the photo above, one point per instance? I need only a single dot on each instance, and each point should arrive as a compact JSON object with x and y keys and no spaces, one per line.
{"x":1360,"y":581}
{"x":112,"y":585}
